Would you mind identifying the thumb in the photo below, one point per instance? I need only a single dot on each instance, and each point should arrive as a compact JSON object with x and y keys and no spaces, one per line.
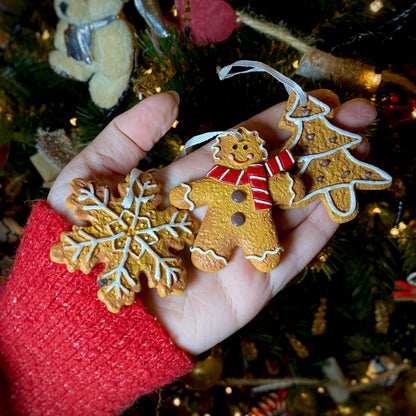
{"x":118,"y":148}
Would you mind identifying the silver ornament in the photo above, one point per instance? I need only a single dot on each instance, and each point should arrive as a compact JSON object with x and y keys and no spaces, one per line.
{"x":151,"y":13}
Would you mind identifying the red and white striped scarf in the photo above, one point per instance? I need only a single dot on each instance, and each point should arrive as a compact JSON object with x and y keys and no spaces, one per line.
{"x":256,"y":175}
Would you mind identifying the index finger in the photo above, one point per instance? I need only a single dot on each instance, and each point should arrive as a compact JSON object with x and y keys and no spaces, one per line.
{"x":118,"y":148}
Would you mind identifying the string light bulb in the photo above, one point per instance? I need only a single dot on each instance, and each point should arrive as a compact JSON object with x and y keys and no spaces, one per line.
{"x":395,"y":231}
{"x":376,"y":6}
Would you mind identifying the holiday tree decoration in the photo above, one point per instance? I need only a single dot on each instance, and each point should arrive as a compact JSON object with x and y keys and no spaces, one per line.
{"x":206,"y":373}
{"x":93,"y":43}
{"x":319,"y":319}
{"x":355,"y":49}
{"x":324,"y":161}
{"x":318,"y":64}
{"x":55,"y":150}
{"x":129,"y":235}
{"x":321,"y":150}
{"x":151,"y":13}
{"x":240,"y":191}
{"x":274,"y":404}
{"x":207,"y":21}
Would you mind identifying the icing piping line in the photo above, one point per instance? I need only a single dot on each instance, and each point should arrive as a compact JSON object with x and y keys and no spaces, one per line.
{"x":209,"y":251}
{"x":186,"y":196}
{"x":277,"y":250}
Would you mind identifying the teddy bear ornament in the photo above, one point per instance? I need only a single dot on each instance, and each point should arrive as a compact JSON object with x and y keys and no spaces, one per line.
{"x":94,"y":43}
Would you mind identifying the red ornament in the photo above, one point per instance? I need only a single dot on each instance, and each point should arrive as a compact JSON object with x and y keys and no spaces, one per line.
{"x":209,"y":21}
{"x":274,"y":404}
{"x":404,"y":290}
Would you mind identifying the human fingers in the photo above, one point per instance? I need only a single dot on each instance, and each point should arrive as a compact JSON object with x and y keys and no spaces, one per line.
{"x":118,"y":148}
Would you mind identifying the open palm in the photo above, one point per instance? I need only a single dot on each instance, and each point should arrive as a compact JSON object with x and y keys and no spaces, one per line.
{"x":214,"y":305}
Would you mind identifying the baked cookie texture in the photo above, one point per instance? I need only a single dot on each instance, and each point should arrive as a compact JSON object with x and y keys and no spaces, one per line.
{"x":129,"y":235}
{"x":324,"y":161}
{"x":239,"y":192}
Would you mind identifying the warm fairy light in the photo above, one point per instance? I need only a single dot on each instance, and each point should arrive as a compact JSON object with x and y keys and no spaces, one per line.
{"x":175,"y":123}
{"x":320,"y":390}
{"x":414,"y":384}
{"x":174,"y":11}
{"x":181,"y":147}
{"x":413,"y":113}
{"x":296,"y":64}
{"x":158,"y":89}
{"x":344,"y":409}
{"x":353,"y":382}
{"x":402,"y":226}
{"x":376,"y":6}
{"x":228,"y":390}
{"x":46,"y":35}
{"x":176,"y":401}
{"x":237,"y":413}
{"x":73,"y":121}
{"x":394,"y":231}
{"x":370,"y":79}
{"x":365,"y":380}
{"x":148,"y":71}
{"x":375,"y":211}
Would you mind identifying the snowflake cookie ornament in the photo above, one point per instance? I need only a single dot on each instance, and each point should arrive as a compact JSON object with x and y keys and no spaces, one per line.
{"x":129,"y":235}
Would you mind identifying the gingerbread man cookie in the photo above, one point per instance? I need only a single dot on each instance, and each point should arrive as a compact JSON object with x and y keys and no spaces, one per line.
{"x":129,"y":235}
{"x":239,"y":191}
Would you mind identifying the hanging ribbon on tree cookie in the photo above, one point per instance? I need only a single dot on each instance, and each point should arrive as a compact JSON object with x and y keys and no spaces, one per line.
{"x":321,"y":150}
{"x":241,"y":188}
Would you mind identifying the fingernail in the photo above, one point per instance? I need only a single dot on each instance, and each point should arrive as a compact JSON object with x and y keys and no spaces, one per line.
{"x":176,"y":95}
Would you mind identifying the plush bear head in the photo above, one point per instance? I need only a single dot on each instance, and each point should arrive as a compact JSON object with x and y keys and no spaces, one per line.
{"x":238,"y":149}
{"x":94,"y":43}
{"x":81,"y":12}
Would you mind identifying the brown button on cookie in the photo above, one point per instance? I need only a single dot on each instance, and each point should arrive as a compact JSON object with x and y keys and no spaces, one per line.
{"x":238,"y":196}
{"x":238,"y":219}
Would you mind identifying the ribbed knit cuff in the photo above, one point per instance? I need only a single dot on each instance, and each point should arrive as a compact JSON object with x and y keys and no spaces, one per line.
{"x":61,"y":351}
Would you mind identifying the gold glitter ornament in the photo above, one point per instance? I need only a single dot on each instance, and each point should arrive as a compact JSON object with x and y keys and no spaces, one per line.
{"x":206,"y":373}
{"x":382,"y":316}
{"x":297,"y":345}
{"x":319,"y":321}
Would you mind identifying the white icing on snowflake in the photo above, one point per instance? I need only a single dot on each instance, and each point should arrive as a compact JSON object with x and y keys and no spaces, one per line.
{"x":133,"y":233}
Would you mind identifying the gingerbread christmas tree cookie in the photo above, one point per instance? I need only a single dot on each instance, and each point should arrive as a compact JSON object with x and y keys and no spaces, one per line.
{"x":129,"y":235}
{"x":321,"y":149}
{"x":326,"y":166}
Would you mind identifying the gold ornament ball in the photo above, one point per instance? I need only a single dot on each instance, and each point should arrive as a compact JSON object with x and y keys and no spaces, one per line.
{"x":206,"y":373}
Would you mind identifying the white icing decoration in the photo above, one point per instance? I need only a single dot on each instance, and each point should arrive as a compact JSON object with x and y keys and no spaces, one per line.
{"x":326,"y":191}
{"x":306,"y":160}
{"x":292,"y":183}
{"x":186,"y":196}
{"x":261,"y":258}
{"x":131,"y":230}
{"x":215,"y":148}
{"x":212,"y":252}
{"x":299,"y":122}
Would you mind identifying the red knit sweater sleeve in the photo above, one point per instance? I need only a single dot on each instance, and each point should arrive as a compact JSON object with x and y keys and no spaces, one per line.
{"x":61,"y":351}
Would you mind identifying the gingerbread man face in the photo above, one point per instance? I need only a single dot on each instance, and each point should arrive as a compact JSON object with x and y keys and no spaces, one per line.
{"x":239,"y":149}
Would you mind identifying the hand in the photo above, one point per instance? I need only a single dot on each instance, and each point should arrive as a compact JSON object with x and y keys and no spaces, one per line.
{"x":214,"y":305}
